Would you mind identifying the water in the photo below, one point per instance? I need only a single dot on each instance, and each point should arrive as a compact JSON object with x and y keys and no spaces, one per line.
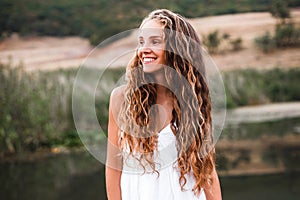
{"x":64,"y":178}
{"x":283,"y":186}
{"x":77,"y":175}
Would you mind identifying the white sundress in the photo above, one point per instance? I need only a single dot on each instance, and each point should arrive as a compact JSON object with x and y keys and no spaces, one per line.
{"x":137,"y":185}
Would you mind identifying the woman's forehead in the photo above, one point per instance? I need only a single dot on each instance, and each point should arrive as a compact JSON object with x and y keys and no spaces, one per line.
{"x":151,"y":23}
{"x":151,"y":28}
{"x":150,"y":32}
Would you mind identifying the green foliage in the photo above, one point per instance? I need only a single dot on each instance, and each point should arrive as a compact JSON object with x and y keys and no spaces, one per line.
{"x":251,"y":87}
{"x":286,"y":35}
{"x":265,"y":42}
{"x":24,"y":114}
{"x":36,"y":107}
{"x":212,"y":41}
{"x":279,"y":9}
{"x":105,"y":86}
{"x":237,"y":44}
{"x":100,"y":19}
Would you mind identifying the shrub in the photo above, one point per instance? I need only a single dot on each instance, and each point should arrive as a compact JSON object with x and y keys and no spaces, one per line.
{"x":212,"y":41}
{"x":287,"y":35}
{"x":237,"y":44}
{"x":265,"y":42}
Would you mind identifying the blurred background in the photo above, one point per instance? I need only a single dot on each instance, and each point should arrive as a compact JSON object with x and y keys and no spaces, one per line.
{"x":255,"y":44}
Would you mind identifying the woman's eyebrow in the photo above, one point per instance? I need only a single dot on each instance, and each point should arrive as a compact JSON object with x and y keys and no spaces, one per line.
{"x":152,"y":36}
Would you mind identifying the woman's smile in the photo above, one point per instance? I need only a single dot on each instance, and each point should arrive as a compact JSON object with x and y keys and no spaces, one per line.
{"x":148,"y":60}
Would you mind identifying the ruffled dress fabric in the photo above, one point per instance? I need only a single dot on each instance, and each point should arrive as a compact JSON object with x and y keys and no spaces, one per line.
{"x":138,"y":184}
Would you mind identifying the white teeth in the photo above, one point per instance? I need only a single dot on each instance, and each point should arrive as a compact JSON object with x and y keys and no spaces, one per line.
{"x":146,"y":60}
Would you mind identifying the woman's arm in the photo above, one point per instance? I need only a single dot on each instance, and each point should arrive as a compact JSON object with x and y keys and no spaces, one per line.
{"x":114,"y":160}
{"x":214,"y":191}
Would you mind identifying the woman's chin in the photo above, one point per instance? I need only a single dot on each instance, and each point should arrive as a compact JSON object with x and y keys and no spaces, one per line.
{"x":152,"y":68}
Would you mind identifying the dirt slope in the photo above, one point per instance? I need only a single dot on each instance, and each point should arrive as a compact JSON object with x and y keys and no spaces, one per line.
{"x":49,"y":53}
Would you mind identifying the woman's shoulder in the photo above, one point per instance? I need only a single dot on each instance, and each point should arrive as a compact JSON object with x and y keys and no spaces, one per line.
{"x":117,"y":96}
{"x":118,"y":93}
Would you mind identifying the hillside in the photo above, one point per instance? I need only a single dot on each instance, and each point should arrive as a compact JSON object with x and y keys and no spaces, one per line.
{"x":50,"y":53}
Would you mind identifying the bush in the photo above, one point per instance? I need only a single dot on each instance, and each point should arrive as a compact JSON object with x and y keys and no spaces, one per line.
{"x":265,"y":42}
{"x":287,"y":35}
{"x":237,"y":44}
{"x":212,"y":41}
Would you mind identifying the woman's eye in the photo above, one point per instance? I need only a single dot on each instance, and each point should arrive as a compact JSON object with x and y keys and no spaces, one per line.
{"x":155,"y":42}
{"x":141,"y":42}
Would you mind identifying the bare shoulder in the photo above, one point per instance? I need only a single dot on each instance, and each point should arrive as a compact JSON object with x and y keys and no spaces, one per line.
{"x":117,"y":95}
{"x":116,"y":100}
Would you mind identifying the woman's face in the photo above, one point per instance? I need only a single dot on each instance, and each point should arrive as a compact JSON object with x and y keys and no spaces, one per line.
{"x":151,"y":46}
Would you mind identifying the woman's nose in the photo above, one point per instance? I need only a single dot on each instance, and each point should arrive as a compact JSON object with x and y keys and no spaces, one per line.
{"x":145,"y":48}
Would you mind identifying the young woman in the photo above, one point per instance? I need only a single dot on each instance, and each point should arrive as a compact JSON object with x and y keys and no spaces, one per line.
{"x":159,"y":132}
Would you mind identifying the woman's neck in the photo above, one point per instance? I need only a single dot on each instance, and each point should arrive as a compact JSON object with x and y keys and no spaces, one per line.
{"x":158,"y":76}
{"x":161,"y":90}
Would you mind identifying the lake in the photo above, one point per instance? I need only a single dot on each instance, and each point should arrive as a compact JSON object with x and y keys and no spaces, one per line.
{"x":77,"y":175}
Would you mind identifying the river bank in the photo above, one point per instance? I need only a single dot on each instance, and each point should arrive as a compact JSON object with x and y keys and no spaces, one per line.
{"x":234,"y":158}
{"x":238,"y":152}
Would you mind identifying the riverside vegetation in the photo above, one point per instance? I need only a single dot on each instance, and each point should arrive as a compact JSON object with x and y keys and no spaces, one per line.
{"x":36,"y":108}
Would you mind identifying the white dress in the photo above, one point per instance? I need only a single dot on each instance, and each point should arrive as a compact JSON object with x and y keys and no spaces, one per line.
{"x":137,"y":185}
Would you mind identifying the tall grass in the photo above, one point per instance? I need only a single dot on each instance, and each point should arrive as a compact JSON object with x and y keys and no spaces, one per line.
{"x":36,"y":107}
{"x":252,"y":87}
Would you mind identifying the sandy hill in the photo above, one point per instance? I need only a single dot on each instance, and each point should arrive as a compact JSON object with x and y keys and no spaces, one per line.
{"x":48,"y":53}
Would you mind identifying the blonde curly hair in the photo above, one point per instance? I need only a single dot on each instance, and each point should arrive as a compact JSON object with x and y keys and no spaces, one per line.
{"x":191,"y":114}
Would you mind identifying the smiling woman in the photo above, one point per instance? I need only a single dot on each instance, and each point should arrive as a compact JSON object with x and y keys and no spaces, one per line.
{"x":160,"y":143}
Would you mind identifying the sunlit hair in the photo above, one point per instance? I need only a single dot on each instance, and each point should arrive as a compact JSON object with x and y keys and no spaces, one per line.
{"x":191,"y":122}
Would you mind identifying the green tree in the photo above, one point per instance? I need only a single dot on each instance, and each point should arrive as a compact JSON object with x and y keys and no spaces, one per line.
{"x":279,"y":9}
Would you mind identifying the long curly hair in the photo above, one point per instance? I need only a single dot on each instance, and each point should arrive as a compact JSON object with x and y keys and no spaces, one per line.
{"x":191,"y":114}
